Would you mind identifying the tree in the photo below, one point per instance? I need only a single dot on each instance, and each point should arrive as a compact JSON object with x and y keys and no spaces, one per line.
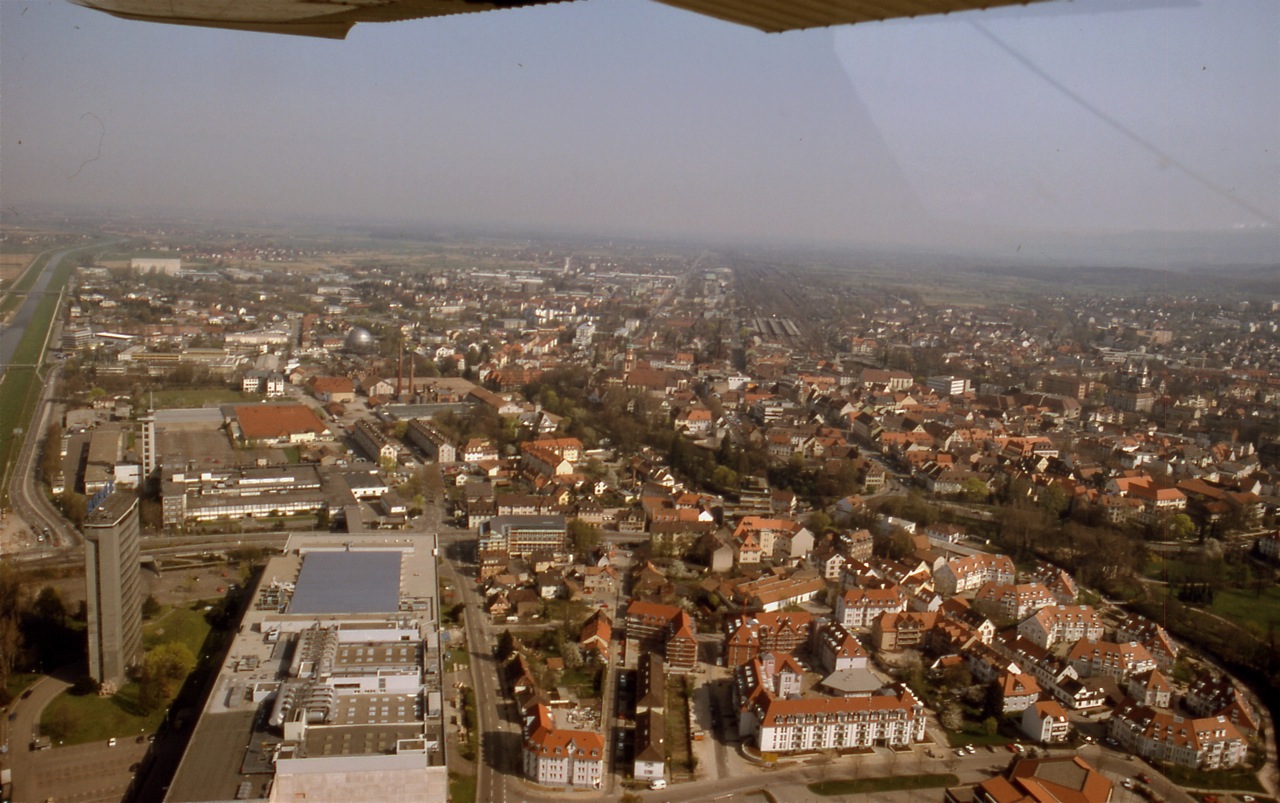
{"x":163,"y":668}
{"x":51,"y":456}
{"x":950,"y":716}
{"x":1181,"y":527}
{"x":49,"y":606}
{"x":150,"y":607}
{"x":506,"y":645}
{"x":85,"y":684}
{"x":583,"y":536}
{"x":819,"y":523}
{"x":991,"y":726}
{"x":974,"y":490}
{"x":11,"y":642}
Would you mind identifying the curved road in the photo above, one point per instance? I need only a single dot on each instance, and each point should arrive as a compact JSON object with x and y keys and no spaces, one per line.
{"x":24,"y":492}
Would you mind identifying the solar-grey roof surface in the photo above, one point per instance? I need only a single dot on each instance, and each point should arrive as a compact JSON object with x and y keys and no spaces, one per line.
{"x":348,"y":582}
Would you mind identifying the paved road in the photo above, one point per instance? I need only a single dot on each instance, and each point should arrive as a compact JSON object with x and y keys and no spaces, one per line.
{"x":498,"y":725}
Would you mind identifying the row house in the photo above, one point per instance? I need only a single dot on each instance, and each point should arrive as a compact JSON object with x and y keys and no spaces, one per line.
{"x":1059,"y":582}
{"x":1217,"y":695}
{"x":973,"y":571}
{"x":536,"y":461}
{"x":900,"y":631}
{"x":663,"y":628}
{"x":1150,"y":688}
{"x":376,"y":445}
{"x":1206,"y":743}
{"x":431,"y":441}
{"x":782,"y":539}
{"x":892,"y":718}
{"x":1117,"y":661}
{"x":776,"y":675}
{"x":856,"y":544}
{"x":779,"y":633}
{"x":771,"y":593}
{"x":860,"y":607}
{"x":837,"y":649}
{"x":1012,"y":601}
{"x":1150,"y":635}
{"x":1059,"y":623}
{"x":1056,"y":676}
{"x":957,"y":610}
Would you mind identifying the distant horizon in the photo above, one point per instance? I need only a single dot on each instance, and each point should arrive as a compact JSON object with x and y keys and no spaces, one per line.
{"x":1242,"y":248}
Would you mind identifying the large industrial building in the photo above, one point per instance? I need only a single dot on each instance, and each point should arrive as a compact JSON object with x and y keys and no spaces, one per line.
{"x":331,"y":690}
{"x":112,"y":550}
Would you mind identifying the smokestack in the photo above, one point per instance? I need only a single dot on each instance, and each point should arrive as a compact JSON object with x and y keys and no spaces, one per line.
{"x":413,"y":388}
{"x":400,"y":369}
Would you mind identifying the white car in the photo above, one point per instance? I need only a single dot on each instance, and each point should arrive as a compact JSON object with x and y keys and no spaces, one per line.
{"x":658,"y":783}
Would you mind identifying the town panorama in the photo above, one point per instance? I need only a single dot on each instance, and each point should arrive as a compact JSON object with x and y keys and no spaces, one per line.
{"x":368,"y":513}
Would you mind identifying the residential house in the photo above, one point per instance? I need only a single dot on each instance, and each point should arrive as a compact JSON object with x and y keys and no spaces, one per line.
{"x":1012,"y":601}
{"x":554,"y":757}
{"x":1205,"y":743}
{"x":859,"y":607}
{"x":973,"y":571}
{"x":1056,"y":623}
{"x":1046,"y":722}
{"x":1118,"y":661}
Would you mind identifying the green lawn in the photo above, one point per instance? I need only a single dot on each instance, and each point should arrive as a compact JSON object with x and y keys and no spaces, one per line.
{"x":19,"y":392}
{"x":1256,"y":612}
{"x":92,"y":718}
{"x":1244,"y":605}
{"x":199,"y":397}
{"x":892,"y":783}
{"x":28,"y":278}
{"x":462,"y":788}
{"x":20,"y":387}
{"x":458,"y":656}
{"x":18,"y":682}
{"x":177,"y":624}
{"x":1239,"y":778}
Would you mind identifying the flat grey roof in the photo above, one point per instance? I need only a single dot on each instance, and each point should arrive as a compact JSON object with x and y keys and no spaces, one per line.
{"x":352,"y":581}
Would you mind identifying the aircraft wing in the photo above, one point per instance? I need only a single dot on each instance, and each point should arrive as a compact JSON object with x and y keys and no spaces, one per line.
{"x":334,"y":18}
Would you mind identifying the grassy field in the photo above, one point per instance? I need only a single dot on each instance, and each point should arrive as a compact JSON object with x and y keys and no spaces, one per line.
{"x":462,"y":788}
{"x":89,"y":718}
{"x":19,"y":392}
{"x":20,"y":387}
{"x":19,"y":681}
{"x":891,"y":783}
{"x":177,"y":624}
{"x":1239,"y":778}
{"x":1245,"y":606}
{"x":198,"y":397}
{"x":15,"y":297}
{"x":1249,"y":609}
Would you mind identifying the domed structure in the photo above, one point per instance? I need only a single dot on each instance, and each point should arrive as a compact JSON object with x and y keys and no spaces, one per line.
{"x":360,"y":341}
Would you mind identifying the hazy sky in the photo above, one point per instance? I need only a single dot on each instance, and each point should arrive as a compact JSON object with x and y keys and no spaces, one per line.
{"x":630,"y":116}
